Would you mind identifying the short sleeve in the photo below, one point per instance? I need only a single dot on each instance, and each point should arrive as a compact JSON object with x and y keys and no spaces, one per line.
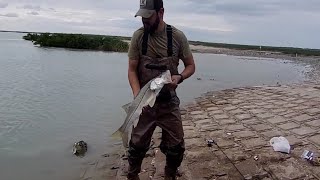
{"x":185,"y":50}
{"x":133,"y":52}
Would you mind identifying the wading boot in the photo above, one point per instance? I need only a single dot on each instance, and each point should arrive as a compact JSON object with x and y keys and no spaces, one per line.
{"x":169,"y":178}
{"x":135,"y":158}
{"x":133,"y":177}
{"x":134,"y":168}
{"x":170,"y":173}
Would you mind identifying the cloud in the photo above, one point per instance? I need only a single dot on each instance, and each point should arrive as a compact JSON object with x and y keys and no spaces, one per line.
{"x":249,"y":7}
{"x":3,"y":5}
{"x":10,"y":15}
{"x":265,"y":22}
{"x":33,"y":13}
{"x":200,"y":22}
{"x":33,"y":7}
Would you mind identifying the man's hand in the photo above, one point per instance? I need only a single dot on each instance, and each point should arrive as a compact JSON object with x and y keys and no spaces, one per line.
{"x":175,"y":79}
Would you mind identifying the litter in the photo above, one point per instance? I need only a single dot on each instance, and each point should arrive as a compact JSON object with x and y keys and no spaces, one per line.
{"x":307,"y":155}
{"x":280,"y":144}
{"x":210,"y":142}
{"x":311,"y":157}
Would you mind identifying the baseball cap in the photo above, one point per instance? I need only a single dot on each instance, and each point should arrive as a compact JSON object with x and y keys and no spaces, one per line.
{"x":148,"y":7}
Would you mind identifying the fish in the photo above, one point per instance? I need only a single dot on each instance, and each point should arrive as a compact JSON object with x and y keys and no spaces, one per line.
{"x":146,"y":96}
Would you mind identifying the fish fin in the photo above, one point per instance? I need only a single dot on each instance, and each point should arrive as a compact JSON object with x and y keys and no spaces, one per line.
{"x":135,"y":122}
{"x":126,"y":107}
{"x":117,"y":134}
{"x":127,"y":137}
{"x":152,"y":100}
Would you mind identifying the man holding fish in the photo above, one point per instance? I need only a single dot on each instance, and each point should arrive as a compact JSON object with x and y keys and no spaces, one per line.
{"x":155,"y":48}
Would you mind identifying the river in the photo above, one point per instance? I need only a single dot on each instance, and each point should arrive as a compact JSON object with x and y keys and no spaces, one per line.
{"x":51,"y":98}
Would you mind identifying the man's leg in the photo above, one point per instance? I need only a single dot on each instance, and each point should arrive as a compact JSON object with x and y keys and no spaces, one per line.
{"x":172,"y":144}
{"x":140,"y":142}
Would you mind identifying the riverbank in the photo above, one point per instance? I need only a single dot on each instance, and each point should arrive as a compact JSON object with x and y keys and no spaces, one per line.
{"x":241,"y":121}
{"x":250,"y":53}
{"x":312,"y":61}
{"x":200,"y":47}
{"x":119,"y":43}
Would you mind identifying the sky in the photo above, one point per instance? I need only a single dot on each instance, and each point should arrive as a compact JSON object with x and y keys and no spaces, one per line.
{"x":293,"y":23}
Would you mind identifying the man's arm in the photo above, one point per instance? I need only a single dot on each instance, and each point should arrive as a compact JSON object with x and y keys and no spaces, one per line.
{"x":133,"y":54}
{"x":133,"y":76}
{"x":186,"y":56}
{"x":189,"y":66}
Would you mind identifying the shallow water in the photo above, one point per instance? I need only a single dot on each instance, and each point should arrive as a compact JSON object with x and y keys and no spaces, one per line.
{"x":51,"y":98}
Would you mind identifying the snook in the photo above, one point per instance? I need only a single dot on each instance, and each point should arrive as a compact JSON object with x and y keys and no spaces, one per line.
{"x":147,"y":96}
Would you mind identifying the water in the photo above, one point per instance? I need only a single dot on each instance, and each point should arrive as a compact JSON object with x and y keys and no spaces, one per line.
{"x":51,"y":98}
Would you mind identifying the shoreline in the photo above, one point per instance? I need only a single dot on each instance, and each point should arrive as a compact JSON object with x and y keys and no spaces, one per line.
{"x":249,"y":53}
{"x":199,"y":48}
{"x":232,"y":47}
{"x":246,"y":53}
{"x":115,"y":164}
{"x":198,"y":127}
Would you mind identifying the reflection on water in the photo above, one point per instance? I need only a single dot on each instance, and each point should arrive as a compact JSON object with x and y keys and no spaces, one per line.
{"x":51,"y":98}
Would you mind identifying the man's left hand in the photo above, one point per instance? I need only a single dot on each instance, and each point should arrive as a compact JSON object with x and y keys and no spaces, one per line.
{"x":175,"y":79}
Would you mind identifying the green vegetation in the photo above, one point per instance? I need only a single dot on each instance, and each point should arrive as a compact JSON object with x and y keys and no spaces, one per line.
{"x":78,"y":41}
{"x":285,"y":50}
{"x":116,"y":43}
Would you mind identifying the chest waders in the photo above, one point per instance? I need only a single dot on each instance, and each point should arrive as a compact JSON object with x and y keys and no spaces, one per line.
{"x":165,"y":114}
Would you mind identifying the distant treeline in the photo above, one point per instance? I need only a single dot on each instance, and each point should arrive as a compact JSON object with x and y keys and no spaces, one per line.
{"x":78,"y":41}
{"x":115,"y":43}
{"x":285,"y":50}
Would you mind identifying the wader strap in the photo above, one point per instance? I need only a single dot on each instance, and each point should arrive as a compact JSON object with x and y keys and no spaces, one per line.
{"x":145,"y":43}
{"x":169,"y":37}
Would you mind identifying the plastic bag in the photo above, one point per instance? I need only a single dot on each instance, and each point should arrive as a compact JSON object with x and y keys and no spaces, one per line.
{"x":159,"y":82}
{"x":280,"y":144}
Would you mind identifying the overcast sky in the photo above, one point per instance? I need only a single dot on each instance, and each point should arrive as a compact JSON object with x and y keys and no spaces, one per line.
{"x":266,"y":22}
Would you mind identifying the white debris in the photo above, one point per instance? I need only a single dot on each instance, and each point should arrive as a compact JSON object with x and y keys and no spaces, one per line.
{"x":280,"y":144}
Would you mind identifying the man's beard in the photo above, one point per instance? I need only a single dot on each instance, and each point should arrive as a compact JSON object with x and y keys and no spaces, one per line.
{"x":151,"y":29}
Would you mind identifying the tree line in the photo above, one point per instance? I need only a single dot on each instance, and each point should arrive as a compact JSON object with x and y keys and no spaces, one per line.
{"x":285,"y":50}
{"x":78,"y":41}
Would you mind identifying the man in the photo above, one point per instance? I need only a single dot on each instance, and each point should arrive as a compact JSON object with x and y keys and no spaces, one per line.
{"x":155,"y":47}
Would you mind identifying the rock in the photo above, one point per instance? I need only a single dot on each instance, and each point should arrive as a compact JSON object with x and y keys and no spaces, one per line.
{"x":106,"y":155}
{"x":80,"y":148}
